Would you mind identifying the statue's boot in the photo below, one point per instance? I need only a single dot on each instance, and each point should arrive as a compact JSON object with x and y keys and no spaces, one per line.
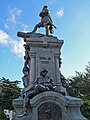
{"x":23,"y":114}
{"x":51,"y":29}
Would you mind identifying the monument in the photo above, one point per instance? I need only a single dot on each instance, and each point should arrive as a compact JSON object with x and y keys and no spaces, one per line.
{"x":44,"y":97}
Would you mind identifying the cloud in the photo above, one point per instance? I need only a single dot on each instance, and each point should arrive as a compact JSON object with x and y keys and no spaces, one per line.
{"x":52,"y":1}
{"x":6,"y":26}
{"x":15,"y":46}
{"x":60,"y":12}
{"x":13,"y":14}
{"x":25,"y":27}
{"x":12,"y":21}
{"x":4,"y":37}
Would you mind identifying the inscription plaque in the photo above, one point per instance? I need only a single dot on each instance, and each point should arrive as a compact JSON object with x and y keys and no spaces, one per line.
{"x":49,"y":111}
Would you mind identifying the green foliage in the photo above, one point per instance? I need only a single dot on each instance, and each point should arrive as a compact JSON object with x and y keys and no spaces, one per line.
{"x":88,"y":71}
{"x":3,"y":116}
{"x":8,"y":91}
{"x":85,"y":109}
{"x":79,"y":86}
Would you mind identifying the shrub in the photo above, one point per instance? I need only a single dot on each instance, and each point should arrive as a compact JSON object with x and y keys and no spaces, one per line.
{"x":85,"y":109}
{"x":3,"y":116}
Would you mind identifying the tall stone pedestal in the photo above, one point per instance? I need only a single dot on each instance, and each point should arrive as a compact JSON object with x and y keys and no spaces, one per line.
{"x":45,"y":51}
{"x":51,"y":106}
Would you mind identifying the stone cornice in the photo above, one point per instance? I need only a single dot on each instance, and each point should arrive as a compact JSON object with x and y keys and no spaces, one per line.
{"x":45,"y":44}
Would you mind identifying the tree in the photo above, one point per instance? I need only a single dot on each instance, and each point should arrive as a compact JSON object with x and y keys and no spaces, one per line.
{"x":9,"y":90}
{"x":79,"y":86}
{"x":85,"y":109}
{"x":3,"y":116}
{"x":88,"y":71}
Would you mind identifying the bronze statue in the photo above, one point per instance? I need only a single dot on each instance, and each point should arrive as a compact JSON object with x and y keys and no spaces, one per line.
{"x":46,"y":21}
{"x":43,"y":83}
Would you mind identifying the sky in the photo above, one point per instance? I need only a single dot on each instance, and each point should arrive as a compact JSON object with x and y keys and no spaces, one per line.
{"x":72,"y":18}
